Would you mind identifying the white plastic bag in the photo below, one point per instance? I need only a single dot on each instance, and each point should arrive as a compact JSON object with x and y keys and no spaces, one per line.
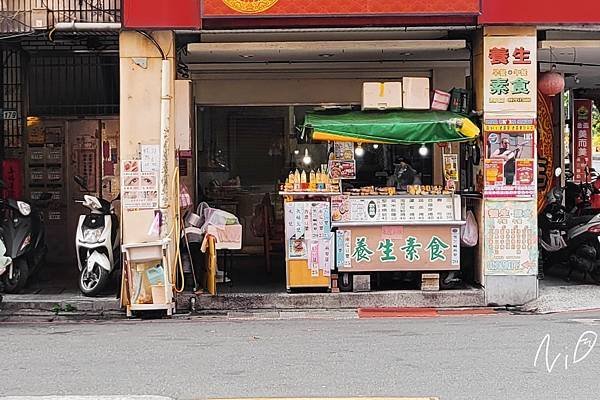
{"x":215,"y":217}
{"x":469,"y":232}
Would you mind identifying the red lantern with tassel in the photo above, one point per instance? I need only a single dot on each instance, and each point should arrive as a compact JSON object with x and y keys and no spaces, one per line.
{"x":551,"y":83}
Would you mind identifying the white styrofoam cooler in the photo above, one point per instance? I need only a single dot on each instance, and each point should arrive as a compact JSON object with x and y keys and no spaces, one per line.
{"x":415,"y":94}
{"x":382,"y":95}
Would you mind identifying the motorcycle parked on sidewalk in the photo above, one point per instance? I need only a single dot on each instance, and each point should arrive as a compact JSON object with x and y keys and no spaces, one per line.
{"x":583,"y":198}
{"x":5,"y":262}
{"x":24,"y":238}
{"x":97,"y":243}
{"x":568,"y":240}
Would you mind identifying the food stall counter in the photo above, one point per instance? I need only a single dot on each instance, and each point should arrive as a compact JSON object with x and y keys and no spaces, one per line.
{"x":397,"y":233}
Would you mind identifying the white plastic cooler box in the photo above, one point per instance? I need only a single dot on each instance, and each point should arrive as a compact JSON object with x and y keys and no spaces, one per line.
{"x":415,"y":93}
{"x":382,"y":95}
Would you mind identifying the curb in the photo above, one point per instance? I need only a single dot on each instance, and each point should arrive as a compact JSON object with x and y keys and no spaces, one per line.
{"x":395,"y":312}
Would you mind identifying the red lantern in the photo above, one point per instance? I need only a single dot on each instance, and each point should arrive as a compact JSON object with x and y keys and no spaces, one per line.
{"x":551,"y":83}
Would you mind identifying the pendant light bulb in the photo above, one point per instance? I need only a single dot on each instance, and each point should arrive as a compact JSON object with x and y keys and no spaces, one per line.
{"x":375,"y":146}
{"x":359,"y":151}
{"x":307,"y":159}
{"x":423,"y":150}
{"x":296,"y":152}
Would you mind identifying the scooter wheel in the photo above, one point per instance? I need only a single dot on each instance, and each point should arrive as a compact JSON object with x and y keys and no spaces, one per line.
{"x":20,"y":274}
{"x":92,"y":283}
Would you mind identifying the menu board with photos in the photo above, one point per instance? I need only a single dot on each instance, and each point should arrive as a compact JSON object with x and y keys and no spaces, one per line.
{"x":393,"y":209}
{"x":308,"y":235}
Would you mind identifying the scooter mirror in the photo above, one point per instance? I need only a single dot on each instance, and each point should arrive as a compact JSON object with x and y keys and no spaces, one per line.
{"x":81,"y":181}
{"x":558,"y":172}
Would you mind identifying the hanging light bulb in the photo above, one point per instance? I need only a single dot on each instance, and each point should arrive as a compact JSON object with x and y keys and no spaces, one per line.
{"x":423,"y":150}
{"x":307,"y":159}
{"x":296,"y":152}
{"x":359,"y":151}
{"x":375,"y":146}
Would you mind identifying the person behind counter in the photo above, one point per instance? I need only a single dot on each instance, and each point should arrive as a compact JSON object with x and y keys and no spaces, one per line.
{"x":404,"y":175}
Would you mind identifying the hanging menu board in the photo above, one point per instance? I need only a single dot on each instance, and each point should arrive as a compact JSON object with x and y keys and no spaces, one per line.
{"x":382,"y":209}
{"x":308,"y":235}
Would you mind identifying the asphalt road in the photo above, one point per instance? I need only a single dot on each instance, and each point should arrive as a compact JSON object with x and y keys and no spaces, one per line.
{"x":473,"y":357}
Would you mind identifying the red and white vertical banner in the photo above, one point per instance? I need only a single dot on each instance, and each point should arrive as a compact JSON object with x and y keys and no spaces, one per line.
{"x":582,"y":139}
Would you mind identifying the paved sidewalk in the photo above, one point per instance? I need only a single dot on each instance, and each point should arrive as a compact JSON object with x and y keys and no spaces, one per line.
{"x":558,"y":295}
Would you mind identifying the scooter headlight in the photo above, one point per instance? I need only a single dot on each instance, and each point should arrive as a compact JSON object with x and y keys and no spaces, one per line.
{"x":24,"y":208}
{"x":92,"y":235}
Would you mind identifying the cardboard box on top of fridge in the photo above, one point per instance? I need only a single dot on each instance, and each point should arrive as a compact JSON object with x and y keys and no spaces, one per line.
{"x":382,"y":95}
{"x":415,"y":95}
{"x":441,"y":100}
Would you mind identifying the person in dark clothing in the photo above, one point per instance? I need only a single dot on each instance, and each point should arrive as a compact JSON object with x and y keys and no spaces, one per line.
{"x":509,"y":157}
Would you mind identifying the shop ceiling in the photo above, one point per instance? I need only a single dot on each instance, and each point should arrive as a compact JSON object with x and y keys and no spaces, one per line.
{"x":576,"y":54}
{"x":324,"y":55}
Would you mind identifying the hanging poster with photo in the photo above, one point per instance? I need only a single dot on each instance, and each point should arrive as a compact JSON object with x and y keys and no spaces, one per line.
{"x":509,"y":166}
{"x":139,"y":189}
{"x":511,"y":232}
{"x":343,"y":150}
{"x":342,"y":169}
{"x":451,"y":171}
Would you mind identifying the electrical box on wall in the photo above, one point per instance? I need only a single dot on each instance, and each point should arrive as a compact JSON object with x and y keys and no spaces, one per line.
{"x":183,"y":115}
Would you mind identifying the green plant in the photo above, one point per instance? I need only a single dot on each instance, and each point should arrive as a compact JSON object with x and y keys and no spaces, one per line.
{"x":57,"y":308}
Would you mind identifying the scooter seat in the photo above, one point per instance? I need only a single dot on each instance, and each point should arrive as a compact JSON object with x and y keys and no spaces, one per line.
{"x":574,"y":221}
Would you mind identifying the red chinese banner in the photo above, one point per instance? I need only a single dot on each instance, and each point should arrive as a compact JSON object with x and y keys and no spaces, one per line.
{"x":296,"y":8}
{"x":582,"y":140}
{"x":545,"y":149}
{"x":12,"y":176}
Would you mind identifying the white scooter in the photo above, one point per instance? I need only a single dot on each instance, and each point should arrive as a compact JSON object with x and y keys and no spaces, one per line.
{"x":5,"y":262}
{"x":97,"y":243}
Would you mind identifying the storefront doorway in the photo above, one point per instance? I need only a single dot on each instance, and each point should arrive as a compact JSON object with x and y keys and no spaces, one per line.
{"x":247,"y":142}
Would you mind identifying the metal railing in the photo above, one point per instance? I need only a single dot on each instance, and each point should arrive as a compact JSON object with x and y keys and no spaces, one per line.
{"x":23,"y":16}
{"x":16,"y":16}
{"x":83,"y":11}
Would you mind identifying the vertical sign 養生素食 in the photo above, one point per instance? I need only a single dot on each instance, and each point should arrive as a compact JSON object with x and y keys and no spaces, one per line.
{"x":510,"y":69}
{"x":509,"y":166}
{"x":511,"y":238}
{"x":582,"y":140}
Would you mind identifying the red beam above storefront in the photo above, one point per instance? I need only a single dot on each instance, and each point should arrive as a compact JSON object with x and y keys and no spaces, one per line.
{"x":539,"y":12}
{"x":332,"y":8}
{"x":161,"y":14}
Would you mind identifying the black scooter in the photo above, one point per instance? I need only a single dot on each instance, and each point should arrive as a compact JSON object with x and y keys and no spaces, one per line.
{"x":23,"y":235}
